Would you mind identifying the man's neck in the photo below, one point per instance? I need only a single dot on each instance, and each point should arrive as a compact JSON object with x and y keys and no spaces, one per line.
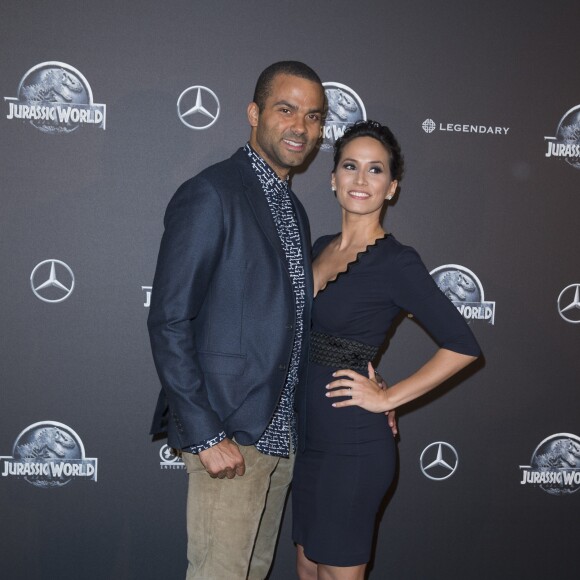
{"x":282,"y":173}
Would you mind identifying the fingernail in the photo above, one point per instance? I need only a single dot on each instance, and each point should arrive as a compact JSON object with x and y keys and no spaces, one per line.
{"x":327,"y":386}
{"x":334,"y":404}
{"x":327,"y":394}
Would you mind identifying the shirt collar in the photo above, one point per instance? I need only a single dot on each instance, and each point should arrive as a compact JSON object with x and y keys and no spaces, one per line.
{"x":260,"y":166}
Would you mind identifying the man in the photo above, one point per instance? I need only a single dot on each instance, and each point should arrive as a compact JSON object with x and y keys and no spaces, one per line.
{"x":229,"y":317}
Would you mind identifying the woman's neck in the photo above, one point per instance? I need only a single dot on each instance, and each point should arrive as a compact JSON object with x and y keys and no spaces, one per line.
{"x":359,"y":233}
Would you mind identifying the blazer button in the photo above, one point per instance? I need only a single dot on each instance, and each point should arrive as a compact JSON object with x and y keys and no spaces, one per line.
{"x":289,"y":326}
{"x":282,"y":367}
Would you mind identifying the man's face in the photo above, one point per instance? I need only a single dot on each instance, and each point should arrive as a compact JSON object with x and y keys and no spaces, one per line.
{"x":286,"y":130}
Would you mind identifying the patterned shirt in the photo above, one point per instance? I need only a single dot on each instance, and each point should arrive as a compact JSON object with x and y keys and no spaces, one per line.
{"x":282,"y":427}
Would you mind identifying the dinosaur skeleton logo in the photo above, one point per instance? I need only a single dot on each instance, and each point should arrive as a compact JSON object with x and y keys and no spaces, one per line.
{"x":566,"y":143}
{"x":569,"y":303}
{"x":49,"y":454}
{"x":55,"y":98}
{"x":555,"y":465}
{"x":170,"y":459}
{"x":345,"y":107}
{"x":465,"y":290}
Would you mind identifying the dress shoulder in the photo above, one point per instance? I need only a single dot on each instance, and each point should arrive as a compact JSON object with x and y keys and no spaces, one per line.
{"x":396,"y":251}
{"x":386,"y":256}
{"x":320,"y":244}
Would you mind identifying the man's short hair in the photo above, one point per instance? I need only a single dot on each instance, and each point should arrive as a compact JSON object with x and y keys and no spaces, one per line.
{"x":285,"y":67}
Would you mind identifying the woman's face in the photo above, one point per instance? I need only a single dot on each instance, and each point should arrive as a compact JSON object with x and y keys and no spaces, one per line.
{"x":362,"y":178}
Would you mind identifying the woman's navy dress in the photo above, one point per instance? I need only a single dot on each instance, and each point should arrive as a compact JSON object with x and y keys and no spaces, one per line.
{"x":348,"y":462}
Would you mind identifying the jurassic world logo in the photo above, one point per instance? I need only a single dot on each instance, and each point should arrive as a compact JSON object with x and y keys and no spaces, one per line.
{"x":555,"y":465}
{"x":54,"y":97}
{"x":170,"y":459}
{"x":48,"y":454}
{"x":465,"y":290}
{"x":566,"y":144}
{"x":344,"y":107}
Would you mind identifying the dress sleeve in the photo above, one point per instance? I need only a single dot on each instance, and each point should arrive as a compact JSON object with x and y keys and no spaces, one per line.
{"x":415,"y":291}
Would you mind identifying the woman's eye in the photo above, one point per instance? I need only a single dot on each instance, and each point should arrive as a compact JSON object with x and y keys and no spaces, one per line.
{"x":348,"y":166}
{"x":376,"y":170}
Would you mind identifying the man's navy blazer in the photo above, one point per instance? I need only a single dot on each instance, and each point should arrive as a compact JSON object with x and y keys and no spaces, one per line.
{"x":222,"y":315}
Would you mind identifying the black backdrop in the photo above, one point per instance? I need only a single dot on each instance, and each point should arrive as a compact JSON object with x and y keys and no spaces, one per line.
{"x":473,"y":91}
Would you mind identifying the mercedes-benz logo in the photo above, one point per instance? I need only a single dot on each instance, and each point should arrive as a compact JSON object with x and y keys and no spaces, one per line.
{"x":569,"y":303}
{"x":428,"y":125}
{"x":439,"y":461}
{"x":196,"y":105}
{"x":52,"y":281}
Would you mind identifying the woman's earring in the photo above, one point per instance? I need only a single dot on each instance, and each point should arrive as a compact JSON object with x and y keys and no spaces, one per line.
{"x":389,"y":197}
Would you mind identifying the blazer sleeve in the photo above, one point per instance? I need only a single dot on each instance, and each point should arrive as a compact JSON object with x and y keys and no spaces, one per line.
{"x":188,"y":257}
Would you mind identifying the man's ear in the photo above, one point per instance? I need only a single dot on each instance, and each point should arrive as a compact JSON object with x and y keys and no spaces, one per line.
{"x":253,"y":114}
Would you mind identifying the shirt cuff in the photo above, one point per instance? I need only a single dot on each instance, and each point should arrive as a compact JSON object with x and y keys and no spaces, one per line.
{"x":207,"y":444}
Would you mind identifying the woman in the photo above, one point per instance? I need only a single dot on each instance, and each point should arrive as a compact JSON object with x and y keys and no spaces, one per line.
{"x":363,"y":278}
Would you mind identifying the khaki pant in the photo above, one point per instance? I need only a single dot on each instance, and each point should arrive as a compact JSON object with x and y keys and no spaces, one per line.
{"x":233,"y":524}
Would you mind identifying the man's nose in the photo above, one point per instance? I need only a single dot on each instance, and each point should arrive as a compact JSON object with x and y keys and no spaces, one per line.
{"x":299,"y":126}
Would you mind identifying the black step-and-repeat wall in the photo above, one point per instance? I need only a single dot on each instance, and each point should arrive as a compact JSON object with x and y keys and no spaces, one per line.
{"x":108,"y":106}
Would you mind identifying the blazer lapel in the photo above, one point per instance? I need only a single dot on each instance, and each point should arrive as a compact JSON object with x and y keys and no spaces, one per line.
{"x":257,"y":199}
{"x":259,"y":205}
{"x":304,"y":228}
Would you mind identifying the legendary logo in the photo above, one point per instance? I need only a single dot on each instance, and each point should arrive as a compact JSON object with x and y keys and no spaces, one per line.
{"x":169,"y":459}
{"x":52,"y":281}
{"x":555,"y":465}
{"x":566,"y":143}
{"x":569,"y":303}
{"x":429,"y":125}
{"x":55,"y":98}
{"x":465,"y":290}
{"x":48,"y":454}
{"x":198,"y":107}
{"x":147,"y":290}
{"x":439,"y":461}
{"x":345,"y":107}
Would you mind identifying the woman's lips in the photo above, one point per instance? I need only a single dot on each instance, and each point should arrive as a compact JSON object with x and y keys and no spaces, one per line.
{"x":358,"y":194}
